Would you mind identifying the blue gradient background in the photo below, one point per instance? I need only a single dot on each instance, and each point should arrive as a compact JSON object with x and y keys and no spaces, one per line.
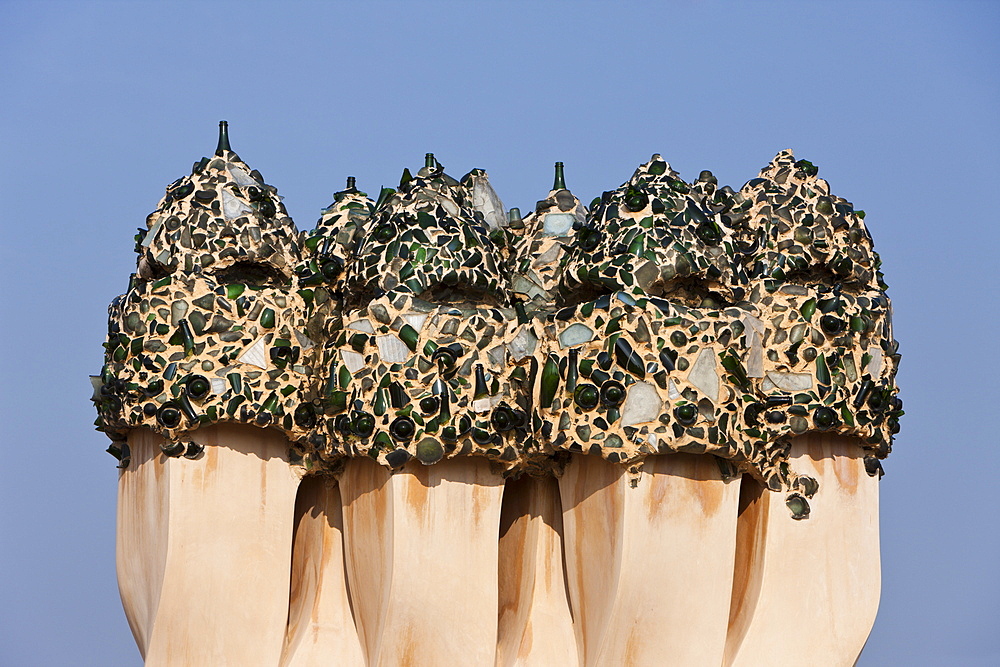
{"x":104,"y":104}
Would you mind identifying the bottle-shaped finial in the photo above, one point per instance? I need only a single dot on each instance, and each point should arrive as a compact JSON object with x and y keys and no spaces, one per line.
{"x":560,"y":182}
{"x":351,"y":183}
{"x":480,"y":390}
{"x":429,"y":161}
{"x":223,"y":138}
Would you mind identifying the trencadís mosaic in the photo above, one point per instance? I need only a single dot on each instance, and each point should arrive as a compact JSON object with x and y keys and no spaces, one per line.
{"x":432,"y":322}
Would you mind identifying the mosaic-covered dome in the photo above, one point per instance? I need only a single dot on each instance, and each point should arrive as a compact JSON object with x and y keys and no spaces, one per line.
{"x":662,"y":237}
{"x":212,"y":327}
{"x":692,"y":347}
{"x":433,"y":323}
{"x":427,"y":239}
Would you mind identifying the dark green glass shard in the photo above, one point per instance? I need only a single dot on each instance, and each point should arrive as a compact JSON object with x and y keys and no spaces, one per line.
{"x":409,"y":336}
{"x":822,"y":372}
{"x":808,"y":308}
{"x":628,"y":358}
{"x":738,"y":373}
{"x":550,"y":382}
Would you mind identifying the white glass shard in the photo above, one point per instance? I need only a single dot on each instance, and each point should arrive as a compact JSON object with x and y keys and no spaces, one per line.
{"x":547,"y":256}
{"x":450,"y":206}
{"x":362,"y":325}
{"x":232,"y":206}
{"x":523,"y":344}
{"x":875,"y":365}
{"x":218,"y":385}
{"x":304,"y":341}
{"x":642,"y":404}
{"x":497,"y":355}
{"x":557,"y":224}
{"x":486,"y":201}
{"x":391,"y":349}
{"x":353,"y":360}
{"x":254,"y":355}
{"x":486,"y":404}
{"x":178,"y":309}
{"x":791,"y":381}
{"x":704,"y":375}
{"x":755,"y":358}
{"x":240,"y":175}
{"x":575,"y":334}
{"x":147,"y":240}
{"x":751,"y":322}
{"x":849,"y":368}
{"x":415,"y":320}
{"x":672,"y":391}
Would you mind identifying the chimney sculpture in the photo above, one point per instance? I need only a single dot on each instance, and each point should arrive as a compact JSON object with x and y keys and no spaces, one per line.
{"x":431,"y":431}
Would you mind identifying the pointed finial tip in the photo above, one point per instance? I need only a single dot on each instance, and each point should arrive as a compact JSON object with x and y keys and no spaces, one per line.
{"x":560,"y":181}
{"x":223,"y":138}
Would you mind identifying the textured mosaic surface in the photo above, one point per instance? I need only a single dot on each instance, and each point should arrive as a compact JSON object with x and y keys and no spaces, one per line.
{"x":660,"y":236}
{"x":433,"y":323}
{"x":726,"y":322}
{"x":427,"y":239}
{"x":542,"y":240}
{"x":409,"y":378}
{"x":211,"y":328}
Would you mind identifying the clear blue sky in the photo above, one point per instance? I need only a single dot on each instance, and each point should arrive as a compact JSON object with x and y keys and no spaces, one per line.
{"x":103,"y":104}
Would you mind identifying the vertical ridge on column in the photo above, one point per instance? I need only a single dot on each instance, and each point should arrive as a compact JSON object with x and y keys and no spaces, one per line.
{"x":142,"y":533}
{"x":320,"y":620}
{"x":421,"y":552}
{"x":809,"y":585}
{"x":225,"y":574}
{"x":536,"y":626}
{"x":649,"y":559}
